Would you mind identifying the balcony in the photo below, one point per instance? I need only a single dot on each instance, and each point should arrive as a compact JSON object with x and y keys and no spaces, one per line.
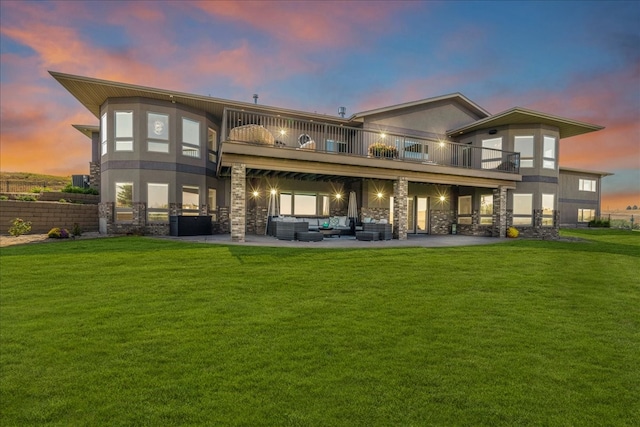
{"x":309,"y":136}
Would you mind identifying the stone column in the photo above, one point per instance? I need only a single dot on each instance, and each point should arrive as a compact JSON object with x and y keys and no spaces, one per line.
{"x":94,"y":175}
{"x":238,"y":202}
{"x":105,"y":217}
{"x":400,"y":208}
{"x":500,"y":212}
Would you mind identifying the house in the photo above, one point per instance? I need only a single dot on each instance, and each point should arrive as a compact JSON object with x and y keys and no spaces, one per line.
{"x":433,"y":166}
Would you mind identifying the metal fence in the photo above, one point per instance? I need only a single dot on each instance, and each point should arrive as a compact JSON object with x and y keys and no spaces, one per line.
{"x":21,"y":186}
{"x":283,"y":132}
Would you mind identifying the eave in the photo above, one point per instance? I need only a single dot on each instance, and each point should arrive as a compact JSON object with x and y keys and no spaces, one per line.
{"x":522,"y":116}
{"x":87,"y":130}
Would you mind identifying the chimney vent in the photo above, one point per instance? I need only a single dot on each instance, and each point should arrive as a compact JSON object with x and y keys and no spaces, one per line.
{"x":342,"y":111}
{"x":255,"y":98}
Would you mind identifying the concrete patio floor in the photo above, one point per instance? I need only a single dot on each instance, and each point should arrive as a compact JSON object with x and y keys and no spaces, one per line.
{"x":346,"y":242}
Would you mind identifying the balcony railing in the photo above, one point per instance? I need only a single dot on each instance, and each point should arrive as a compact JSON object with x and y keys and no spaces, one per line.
{"x":282,"y":132}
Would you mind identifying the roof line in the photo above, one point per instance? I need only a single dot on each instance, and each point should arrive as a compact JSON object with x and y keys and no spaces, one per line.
{"x":477,"y":107}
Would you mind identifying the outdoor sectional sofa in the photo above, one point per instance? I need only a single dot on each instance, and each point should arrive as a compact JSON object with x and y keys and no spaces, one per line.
{"x":285,"y":227}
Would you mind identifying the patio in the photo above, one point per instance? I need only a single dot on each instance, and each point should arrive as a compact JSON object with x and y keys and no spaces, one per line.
{"x":346,"y":242}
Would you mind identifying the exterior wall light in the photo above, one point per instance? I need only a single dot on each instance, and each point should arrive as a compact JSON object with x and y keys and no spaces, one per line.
{"x":380,"y":195}
{"x":273,"y":191}
{"x":255,"y":194}
{"x":443,"y":198}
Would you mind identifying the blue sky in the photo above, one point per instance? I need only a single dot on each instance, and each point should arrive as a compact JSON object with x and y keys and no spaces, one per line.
{"x":579,"y":60}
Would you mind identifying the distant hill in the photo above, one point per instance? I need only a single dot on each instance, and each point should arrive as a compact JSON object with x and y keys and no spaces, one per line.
{"x":53,"y":182}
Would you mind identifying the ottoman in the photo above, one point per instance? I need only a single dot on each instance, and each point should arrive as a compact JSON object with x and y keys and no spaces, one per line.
{"x":309,"y":236}
{"x":367,"y":236}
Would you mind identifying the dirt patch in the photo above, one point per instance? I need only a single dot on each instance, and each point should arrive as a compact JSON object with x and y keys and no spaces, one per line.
{"x":40,"y":238}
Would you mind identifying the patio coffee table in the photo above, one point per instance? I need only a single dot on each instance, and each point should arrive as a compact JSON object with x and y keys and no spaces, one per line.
{"x":329,"y":232}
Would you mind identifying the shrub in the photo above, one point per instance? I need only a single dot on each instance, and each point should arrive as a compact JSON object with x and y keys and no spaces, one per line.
{"x":512,"y":232}
{"x":58,"y":233}
{"x":19,"y":227}
{"x":79,"y":190}
{"x":40,"y":190}
{"x":26,"y":198}
{"x":76,"y":230}
{"x":62,"y":201}
{"x":4,"y":197}
{"x":600,"y":223}
{"x":380,"y":149}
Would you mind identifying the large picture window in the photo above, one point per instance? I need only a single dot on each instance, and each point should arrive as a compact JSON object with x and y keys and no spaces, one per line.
{"x":124,"y":201}
{"x":524,"y":146}
{"x":522,"y":209}
{"x":157,"y":202}
{"x":464,"y":210}
{"x":491,"y":154}
{"x":549,"y":153}
{"x":190,"y":138}
{"x":486,"y":209}
{"x":587,"y":185}
{"x":548,"y":206}
{"x":158,"y":132}
{"x":190,"y":200}
{"x":124,"y":130}
{"x":103,"y":134}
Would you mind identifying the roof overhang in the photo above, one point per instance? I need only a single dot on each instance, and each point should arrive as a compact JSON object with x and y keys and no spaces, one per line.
{"x":522,"y":116}
{"x":585,"y":171}
{"x":87,"y":130}
{"x":463,"y":100}
{"x":92,"y":93}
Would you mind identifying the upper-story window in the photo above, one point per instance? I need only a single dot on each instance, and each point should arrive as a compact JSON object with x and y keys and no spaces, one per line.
{"x":587,"y":185}
{"x":212,"y":144}
{"x":124,"y":130}
{"x":491,"y":154}
{"x":549,"y":153}
{"x":190,"y":138}
{"x":103,"y":134}
{"x":158,"y":132}
{"x":524,"y":146}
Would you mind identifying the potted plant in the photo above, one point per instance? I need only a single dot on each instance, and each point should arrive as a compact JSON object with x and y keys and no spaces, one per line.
{"x":380,"y":149}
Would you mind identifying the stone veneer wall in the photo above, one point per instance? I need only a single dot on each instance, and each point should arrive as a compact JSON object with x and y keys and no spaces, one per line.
{"x":440,"y":221}
{"x":238,"y":202}
{"x":94,"y":175}
{"x":538,"y":231}
{"x":400,"y":206}
{"x":256,"y":220}
{"x":475,"y":228}
{"x":46,"y":215}
{"x":375,"y":213}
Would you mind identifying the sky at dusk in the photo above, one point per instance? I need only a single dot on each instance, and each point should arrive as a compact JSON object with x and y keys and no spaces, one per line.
{"x":579,"y":60}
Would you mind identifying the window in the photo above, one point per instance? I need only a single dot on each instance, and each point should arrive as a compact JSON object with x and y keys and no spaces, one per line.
{"x":549,"y":153}
{"x":157,"y":202}
{"x":416,"y":150}
{"x":522,"y":209}
{"x":587,"y":185}
{"x":486,"y":209}
{"x":548,"y":206}
{"x":124,"y":201}
{"x":212,"y":144}
{"x":285,"y":204}
{"x":190,"y":138}
{"x":103,"y":133}
{"x":158,"y":132}
{"x":464,"y":210}
{"x":304,"y":204}
{"x":190,"y":200}
{"x":491,"y":153}
{"x":586,"y":215}
{"x":524,"y":146}
{"x":124,"y":130}
{"x":336,"y":146}
{"x":325,"y":206}
{"x":212,"y":204}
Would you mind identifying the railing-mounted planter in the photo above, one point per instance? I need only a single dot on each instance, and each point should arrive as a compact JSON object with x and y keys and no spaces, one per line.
{"x":383,"y":150}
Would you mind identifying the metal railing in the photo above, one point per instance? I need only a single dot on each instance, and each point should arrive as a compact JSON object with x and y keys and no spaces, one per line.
{"x":288,"y":133}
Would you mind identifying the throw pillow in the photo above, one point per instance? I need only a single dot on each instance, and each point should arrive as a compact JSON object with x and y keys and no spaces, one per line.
{"x":333,"y":221}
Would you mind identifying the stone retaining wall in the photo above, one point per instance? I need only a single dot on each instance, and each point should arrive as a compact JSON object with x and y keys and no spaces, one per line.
{"x":46,"y":215}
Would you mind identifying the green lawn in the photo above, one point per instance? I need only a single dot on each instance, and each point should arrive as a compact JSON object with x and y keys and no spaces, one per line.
{"x":140,"y":331}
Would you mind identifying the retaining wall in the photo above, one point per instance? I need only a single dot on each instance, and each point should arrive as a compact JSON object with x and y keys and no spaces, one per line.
{"x":46,"y":215}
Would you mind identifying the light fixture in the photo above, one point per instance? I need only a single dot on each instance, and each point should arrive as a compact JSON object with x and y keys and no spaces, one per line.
{"x":441,"y":144}
{"x":273,"y":191}
{"x":380,"y":195}
{"x":443,"y":198}
{"x":283,"y":132}
{"x":493,"y":132}
{"x":338,"y":196}
{"x":255,"y":194}
{"x":383,"y":135}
